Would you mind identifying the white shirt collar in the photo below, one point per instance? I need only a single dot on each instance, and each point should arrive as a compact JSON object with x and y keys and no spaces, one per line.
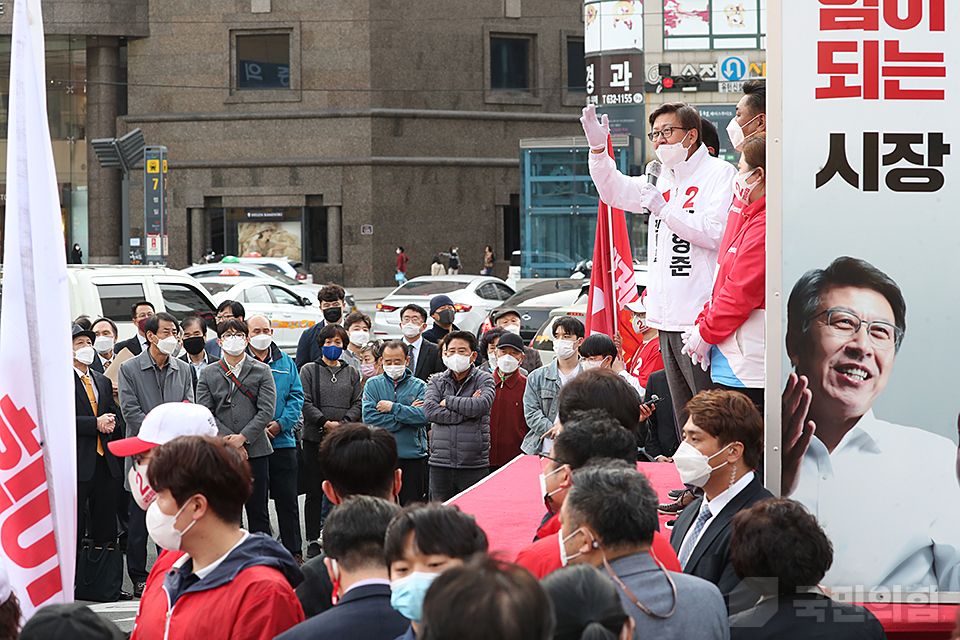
{"x":416,"y":343}
{"x":718,"y":503}
{"x":367,"y":582}
{"x":82,"y":374}
{"x":144,"y":343}
{"x":235,"y":370}
{"x":207,"y":570}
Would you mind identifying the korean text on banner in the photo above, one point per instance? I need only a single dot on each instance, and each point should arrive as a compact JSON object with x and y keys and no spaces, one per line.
{"x":38,"y":510}
{"x":612,"y":282}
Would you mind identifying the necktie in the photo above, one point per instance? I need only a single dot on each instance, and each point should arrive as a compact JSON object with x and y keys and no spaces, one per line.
{"x":93,"y":403}
{"x":697,"y":528}
{"x":413,"y":357}
{"x":106,"y":364}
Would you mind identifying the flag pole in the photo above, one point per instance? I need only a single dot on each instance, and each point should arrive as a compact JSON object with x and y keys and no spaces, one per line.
{"x":613,"y":266}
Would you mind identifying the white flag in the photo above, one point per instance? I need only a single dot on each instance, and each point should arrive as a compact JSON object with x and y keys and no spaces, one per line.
{"x":38,"y":465}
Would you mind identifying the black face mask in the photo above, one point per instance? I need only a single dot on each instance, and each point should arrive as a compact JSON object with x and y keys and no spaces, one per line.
{"x":446,"y":316}
{"x":333,"y":314}
{"x":194,"y":345}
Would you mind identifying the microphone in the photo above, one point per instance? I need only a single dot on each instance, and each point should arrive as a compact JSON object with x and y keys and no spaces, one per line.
{"x":654,"y":168}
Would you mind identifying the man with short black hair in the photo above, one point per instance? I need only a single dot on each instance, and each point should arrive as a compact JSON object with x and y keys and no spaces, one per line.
{"x":105,"y":343}
{"x":194,"y":347}
{"x":353,"y":538}
{"x":457,"y":403}
{"x":424,"y":355}
{"x":146,"y":381}
{"x":357,"y":459}
{"x":394,"y":400}
{"x":443,"y":312}
{"x":139,"y":312}
{"x":226,"y":310}
{"x":608,"y":520}
{"x":509,"y":320}
{"x":332,"y":307}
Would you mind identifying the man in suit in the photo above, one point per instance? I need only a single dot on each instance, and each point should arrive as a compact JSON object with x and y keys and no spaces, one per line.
{"x":662,"y":440}
{"x":425,"y":358}
{"x":331,"y":299}
{"x":104,"y":344}
{"x":148,"y":380}
{"x":608,"y":520}
{"x":353,"y":537}
{"x":139,"y":313}
{"x":194,"y":336}
{"x":242,"y":395}
{"x":722,"y":446}
{"x":97,"y":469}
{"x":778,"y":547}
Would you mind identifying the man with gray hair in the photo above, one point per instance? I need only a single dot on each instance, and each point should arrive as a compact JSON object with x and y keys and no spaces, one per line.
{"x":608,"y":520}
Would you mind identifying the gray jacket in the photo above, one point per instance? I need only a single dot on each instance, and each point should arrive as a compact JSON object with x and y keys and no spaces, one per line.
{"x":234,"y":411}
{"x":142,"y":386}
{"x":329,"y":393}
{"x":460,"y":431}
{"x":700,"y":610}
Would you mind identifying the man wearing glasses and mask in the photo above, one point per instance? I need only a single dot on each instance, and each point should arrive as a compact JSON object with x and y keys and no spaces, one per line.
{"x":845,"y":325}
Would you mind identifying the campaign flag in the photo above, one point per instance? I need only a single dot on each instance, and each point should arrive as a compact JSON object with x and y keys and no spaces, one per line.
{"x":612,"y":283}
{"x":38,"y":468}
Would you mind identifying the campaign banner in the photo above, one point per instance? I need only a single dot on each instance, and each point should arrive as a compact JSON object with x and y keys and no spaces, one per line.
{"x":38,"y":469}
{"x":869,"y":277}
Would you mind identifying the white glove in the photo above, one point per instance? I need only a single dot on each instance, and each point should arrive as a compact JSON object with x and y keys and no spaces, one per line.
{"x":696,"y":347}
{"x":596,"y":131}
{"x":652,"y":199}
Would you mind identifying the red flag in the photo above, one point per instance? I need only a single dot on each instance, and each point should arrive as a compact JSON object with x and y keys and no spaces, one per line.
{"x":612,"y":283}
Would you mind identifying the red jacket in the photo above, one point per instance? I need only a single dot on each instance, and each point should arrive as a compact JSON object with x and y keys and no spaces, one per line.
{"x":249,"y":596}
{"x":507,"y":424}
{"x":543,"y":556}
{"x":402,"y":262}
{"x":648,"y":359}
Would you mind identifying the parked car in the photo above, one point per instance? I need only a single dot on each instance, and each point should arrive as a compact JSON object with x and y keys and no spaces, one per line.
{"x":249,"y":270}
{"x":535,"y":302}
{"x":473,"y":297}
{"x":290,"y":314}
{"x":110,"y":290}
{"x":288,"y":267}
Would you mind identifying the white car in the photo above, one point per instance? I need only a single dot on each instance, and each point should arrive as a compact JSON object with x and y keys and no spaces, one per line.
{"x":290,"y":268}
{"x":249,"y":270}
{"x":473,"y":298}
{"x":290,"y":314}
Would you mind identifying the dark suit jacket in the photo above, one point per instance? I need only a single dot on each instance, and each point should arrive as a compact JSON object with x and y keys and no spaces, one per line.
{"x":805,"y":615}
{"x":661,"y":428}
{"x":710,"y":559}
{"x":307,"y":349}
{"x":364,"y":613}
{"x":87,"y":426}
{"x":429,"y":361}
{"x":130,"y":343}
{"x":208,"y":358}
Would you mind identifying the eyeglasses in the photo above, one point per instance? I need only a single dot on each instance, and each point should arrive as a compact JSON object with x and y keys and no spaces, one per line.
{"x":222,"y":318}
{"x":545,"y":460}
{"x":232,"y":335}
{"x":846,"y":324}
{"x":664,"y":133}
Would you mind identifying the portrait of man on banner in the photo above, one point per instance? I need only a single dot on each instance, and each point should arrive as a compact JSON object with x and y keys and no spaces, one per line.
{"x":864,"y":478}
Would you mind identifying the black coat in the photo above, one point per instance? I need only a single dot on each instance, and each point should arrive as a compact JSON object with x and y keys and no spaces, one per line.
{"x":710,"y":559}
{"x":133,"y":344}
{"x":661,"y":427}
{"x":87,"y":433}
{"x":429,"y":361}
{"x":811,"y":616}
{"x":363,"y":613}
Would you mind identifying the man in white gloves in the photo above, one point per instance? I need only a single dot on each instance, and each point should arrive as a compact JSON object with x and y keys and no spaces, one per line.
{"x":688,"y":213}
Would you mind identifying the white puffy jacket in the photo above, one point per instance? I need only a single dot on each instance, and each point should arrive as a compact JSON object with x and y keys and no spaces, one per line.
{"x":683,"y":242}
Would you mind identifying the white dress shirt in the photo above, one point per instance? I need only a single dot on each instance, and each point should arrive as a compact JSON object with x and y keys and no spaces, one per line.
{"x":415,"y":355}
{"x":889,"y":501}
{"x":716,"y":506}
{"x":82,"y":375}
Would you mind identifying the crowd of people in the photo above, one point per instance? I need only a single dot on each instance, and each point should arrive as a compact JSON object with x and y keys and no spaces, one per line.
{"x":186,"y":441}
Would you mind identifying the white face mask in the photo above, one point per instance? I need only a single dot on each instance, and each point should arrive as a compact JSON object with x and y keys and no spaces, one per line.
{"x":742,"y":189}
{"x":162,"y":528}
{"x":507,"y":364}
{"x":457,"y":363}
{"x":735,"y":132}
{"x":103,"y":344}
{"x":143,"y":493}
{"x":564,"y":558}
{"x":395,"y":371}
{"x":233,"y":345}
{"x":672,"y":154}
{"x":359,"y":338}
{"x":261,"y":341}
{"x":693,"y":466}
{"x":168,"y":345}
{"x":513,"y":328}
{"x":84,"y":355}
{"x":410,"y":330}
{"x":564,"y":348}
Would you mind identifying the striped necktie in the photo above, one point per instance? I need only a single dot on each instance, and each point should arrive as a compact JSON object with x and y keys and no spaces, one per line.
{"x":697,"y":528}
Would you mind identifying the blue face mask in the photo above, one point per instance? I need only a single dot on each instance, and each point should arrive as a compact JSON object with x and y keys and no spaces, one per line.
{"x":332,"y":352}
{"x":408,"y":593}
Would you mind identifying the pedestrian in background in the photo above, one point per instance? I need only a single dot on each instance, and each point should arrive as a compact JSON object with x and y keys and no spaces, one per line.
{"x":437,"y":269}
{"x":454,"y":264}
{"x":402,"y":261}
{"x":76,"y":255}
{"x":488,"y":261}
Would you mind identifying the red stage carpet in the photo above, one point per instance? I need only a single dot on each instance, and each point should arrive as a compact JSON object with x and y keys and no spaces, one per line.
{"x":509,"y":507}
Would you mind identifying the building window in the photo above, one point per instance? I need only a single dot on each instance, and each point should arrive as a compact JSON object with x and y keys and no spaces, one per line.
{"x":702,"y":24}
{"x":576,"y":69}
{"x":509,"y":63}
{"x":263,"y":61}
{"x":317,"y":226}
